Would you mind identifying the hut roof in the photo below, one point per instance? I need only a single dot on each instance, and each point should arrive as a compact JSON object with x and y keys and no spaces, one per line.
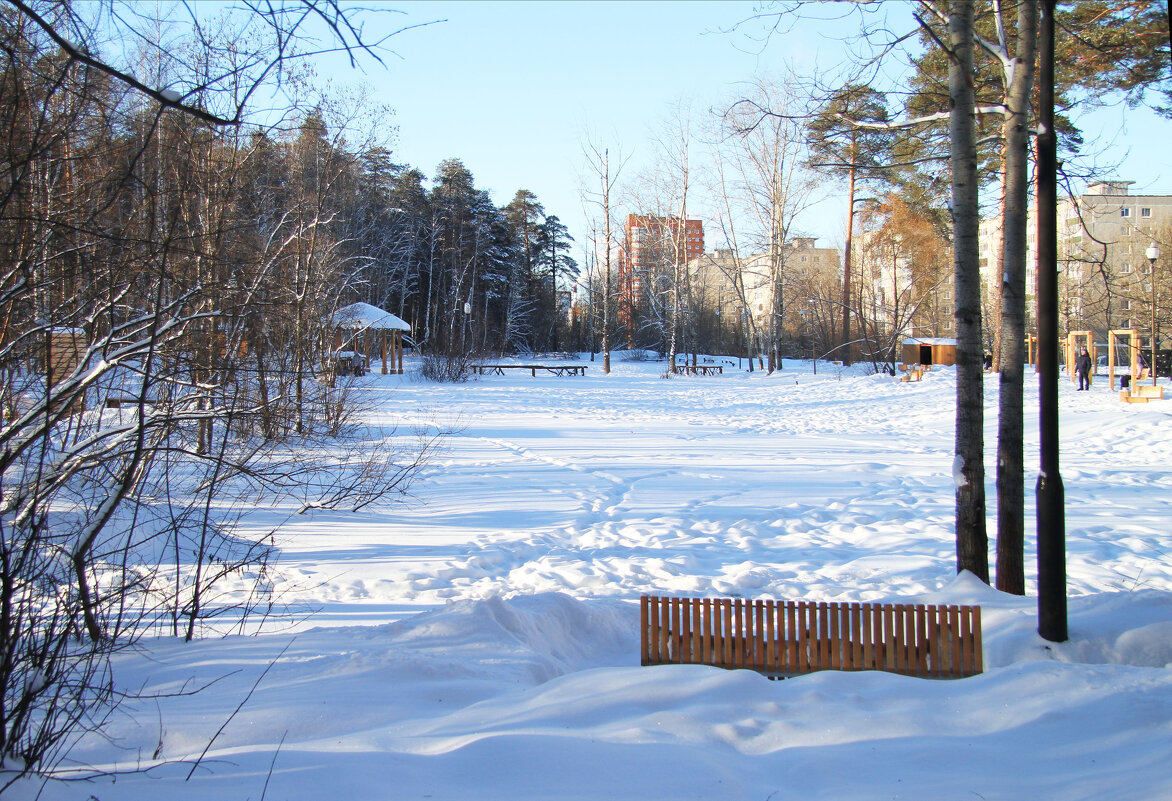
{"x":929,"y":341}
{"x":361,"y":316}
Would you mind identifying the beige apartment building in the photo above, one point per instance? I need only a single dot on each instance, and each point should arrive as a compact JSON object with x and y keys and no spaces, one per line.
{"x":1104,"y":276}
{"x":808,"y":275}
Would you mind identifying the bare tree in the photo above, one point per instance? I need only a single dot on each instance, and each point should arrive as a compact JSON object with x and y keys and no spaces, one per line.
{"x":764,"y":146}
{"x":598,"y":158}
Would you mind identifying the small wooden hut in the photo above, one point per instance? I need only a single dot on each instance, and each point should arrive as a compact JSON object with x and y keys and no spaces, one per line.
{"x":929,"y":351}
{"x":359,"y":326}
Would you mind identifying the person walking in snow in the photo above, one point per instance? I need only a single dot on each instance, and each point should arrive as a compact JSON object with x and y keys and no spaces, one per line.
{"x":1083,"y":366}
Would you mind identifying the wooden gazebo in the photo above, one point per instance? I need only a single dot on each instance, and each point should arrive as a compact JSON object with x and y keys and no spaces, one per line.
{"x":354,"y":325}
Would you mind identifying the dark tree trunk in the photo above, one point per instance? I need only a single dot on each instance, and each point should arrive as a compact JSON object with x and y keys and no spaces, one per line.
{"x":1010,"y":461}
{"x":972,"y":540}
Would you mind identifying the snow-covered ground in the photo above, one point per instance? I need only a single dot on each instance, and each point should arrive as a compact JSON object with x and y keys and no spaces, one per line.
{"x":481,"y":642}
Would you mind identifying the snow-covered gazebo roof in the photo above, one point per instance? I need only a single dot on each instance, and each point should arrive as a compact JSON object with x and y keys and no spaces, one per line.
{"x":363,"y":316}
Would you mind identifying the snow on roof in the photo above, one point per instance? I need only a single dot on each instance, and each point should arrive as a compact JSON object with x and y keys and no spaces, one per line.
{"x":929,"y":341}
{"x":359,"y":316}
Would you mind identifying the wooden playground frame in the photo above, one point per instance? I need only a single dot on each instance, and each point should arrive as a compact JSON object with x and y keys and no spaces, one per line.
{"x":1132,"y":336}
{"x":1073,"y":344}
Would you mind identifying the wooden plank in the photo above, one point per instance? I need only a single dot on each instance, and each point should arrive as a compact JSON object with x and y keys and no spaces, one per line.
{"x":888,"y":638}
{"x":867,"y":636}
{"x":921,"y":640}
{"x":732,"y":633}
{"x":856,"y":637}
{"x":644,"y":630}
{"x":697,"y":633}
{"x":954,"y":624}
{"x":823,"y":638}
{"x":674,"y":630}
{"x":978,"y":653}
{"x":966,"y":641}
{"x":717,"y":656}
{"x":805,"y":637}
{"x":759,"y":635}
{"x":911,"y":667}
{"x":942,"y":642}
{"x":727,"y":659}
{"x":899,"y":642}
{"x":932,"y":645}
{"x":706,"y":631}
{"x":665,"y":634}
{"x":738,"y":632}
{"x":747,"y":640}
{"x":835,"y":637}
{"x":791,"y":637}
{"x":771,"y":637}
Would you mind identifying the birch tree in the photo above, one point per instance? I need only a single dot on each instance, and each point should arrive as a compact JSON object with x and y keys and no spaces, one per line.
{"x":599,"y":169}
{"x":764,"y":148}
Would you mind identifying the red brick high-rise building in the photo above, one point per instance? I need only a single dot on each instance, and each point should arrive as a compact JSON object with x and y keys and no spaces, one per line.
{"x":652,"y":244}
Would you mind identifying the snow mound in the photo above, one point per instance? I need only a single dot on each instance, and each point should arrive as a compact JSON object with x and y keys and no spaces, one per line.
{"x":552,"y":633}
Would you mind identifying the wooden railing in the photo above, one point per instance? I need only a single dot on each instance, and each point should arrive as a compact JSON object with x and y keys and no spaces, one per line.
{"x":782,"y":638}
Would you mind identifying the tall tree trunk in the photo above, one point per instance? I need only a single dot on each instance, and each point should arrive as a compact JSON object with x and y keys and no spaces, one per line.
{"x":972,"y":540}
{"x":846,"y":257}
{"x":1010,"y":457}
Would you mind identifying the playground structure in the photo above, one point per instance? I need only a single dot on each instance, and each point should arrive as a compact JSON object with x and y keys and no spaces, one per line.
{"x":1132,"y":392}
{"x":1031,"y":343}
{"x":1122,"y":341}
{"x":1074,"y":341}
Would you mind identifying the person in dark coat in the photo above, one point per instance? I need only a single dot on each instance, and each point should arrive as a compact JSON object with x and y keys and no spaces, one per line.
{"x":1083,"y":366}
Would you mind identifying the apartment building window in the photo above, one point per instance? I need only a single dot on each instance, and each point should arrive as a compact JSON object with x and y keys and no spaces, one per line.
{"x":948,"y":325}
{"x":1125,"y":212}
{"x":1145,"y":212}
{"x":1125,"y":269}
{"x":1126,"y":305}
{"x":1125,"y":324}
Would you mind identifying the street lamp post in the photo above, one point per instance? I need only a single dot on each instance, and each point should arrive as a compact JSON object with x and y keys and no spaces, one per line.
{"x":1153,"y":253}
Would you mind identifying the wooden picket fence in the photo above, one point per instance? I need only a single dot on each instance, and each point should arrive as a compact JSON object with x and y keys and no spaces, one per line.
{"x":780,"y":638}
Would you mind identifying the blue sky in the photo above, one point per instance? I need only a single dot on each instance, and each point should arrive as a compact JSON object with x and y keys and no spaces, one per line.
{"x":511,"y":88}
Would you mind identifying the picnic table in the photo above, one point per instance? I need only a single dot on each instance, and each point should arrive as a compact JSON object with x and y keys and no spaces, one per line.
{"x":556,"y":369}
{"x":348,"y":362}
{"x":700,"y":369}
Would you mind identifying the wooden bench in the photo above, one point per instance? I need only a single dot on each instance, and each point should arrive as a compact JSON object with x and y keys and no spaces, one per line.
{"x":786,"y":638}
{"x":700,"y":369}
{"x":1141,"y":393}
{"x":556,"y":369}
